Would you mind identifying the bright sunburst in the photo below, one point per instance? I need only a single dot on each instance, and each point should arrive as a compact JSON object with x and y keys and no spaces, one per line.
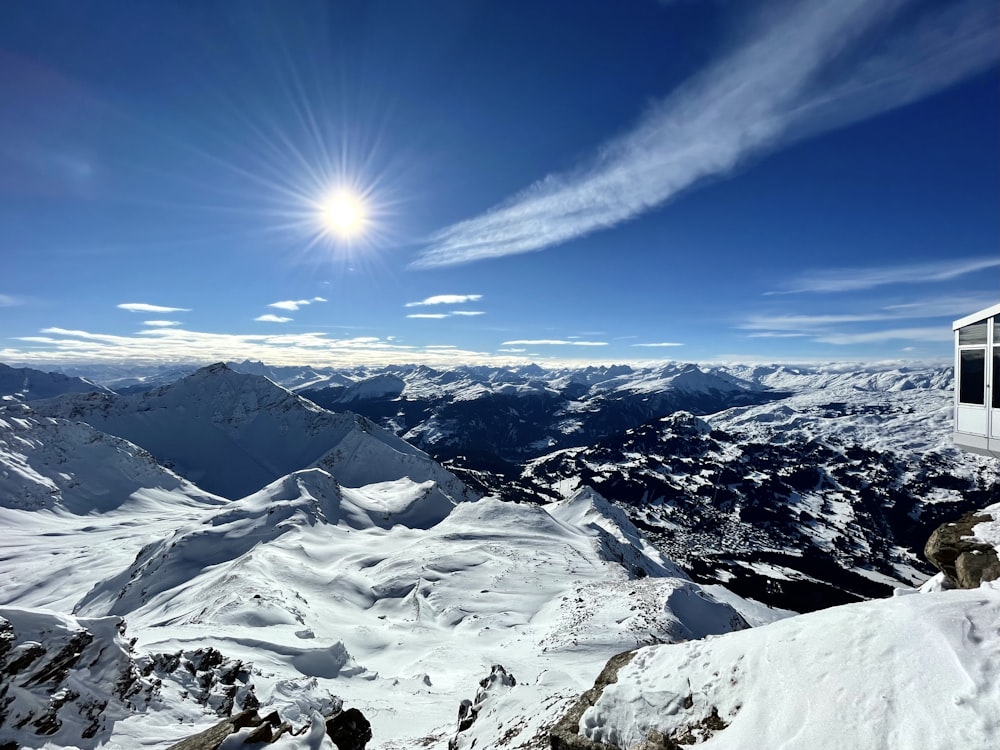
{"x":342,"y":213}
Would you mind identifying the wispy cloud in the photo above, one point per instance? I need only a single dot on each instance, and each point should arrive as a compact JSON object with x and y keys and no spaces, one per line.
{"x":553,"y":342}
{"x":161,"y":323}
{"x":143,"y":307}
{"x":294,"y":304}
{"x":268,"y":318}
{"x":931,"y":307}
{"x":878,"y":325}
{"x":659,"y":344}
{"x":446,"y":299}
{"x":428,"y":316}
{"x":815,"y":67}
{"x":512,"y":350}
{"x":467,"y":313}
{"x":924,"y":335}
{"x":855,"y":279}
{"x":809,"y":322}
{"x":8,"y":300}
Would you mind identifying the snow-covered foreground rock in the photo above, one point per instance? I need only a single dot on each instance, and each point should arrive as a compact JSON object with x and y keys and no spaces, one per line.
{"x":915,"y":671}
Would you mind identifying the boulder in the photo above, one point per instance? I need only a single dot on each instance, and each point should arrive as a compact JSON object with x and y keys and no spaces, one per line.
{"x":965,"y":561}
{"x":214,"y":736}
{"x":349,"y":730}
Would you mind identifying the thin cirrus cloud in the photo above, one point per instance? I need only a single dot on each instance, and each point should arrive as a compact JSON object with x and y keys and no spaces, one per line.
{"x":859,"y":279}
{"x":428,"y":316}
{"x":294,"y":304}
{"x":146,"y":308}
{"x":161,"y":323}
{"x":820,"y":66}
{"x":553,"y":342}
{"x":927,"y":335}
{"x":9,"y":300}
{"x":882,"y":325}
{"x":446,"y":299}
{"x":268,"y":318}
{"x":932,"y":307}
{"x":660,"y":344}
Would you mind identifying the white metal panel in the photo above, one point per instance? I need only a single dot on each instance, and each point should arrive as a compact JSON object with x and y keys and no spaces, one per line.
{"x":989,"y":312}
{"x":971,"y":419}
{"x":995,"y":423}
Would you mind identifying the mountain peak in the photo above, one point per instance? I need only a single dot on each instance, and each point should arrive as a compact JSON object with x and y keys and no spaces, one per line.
{"x":217,"y":368}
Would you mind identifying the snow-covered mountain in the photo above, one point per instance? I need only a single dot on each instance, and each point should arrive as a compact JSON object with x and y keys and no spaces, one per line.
{"x":232,"y":433}
{"x":71,"y":467}
{"x":359,"y":571}
{"x":380,"y":594}
{"x":27,"y":384}
{"x":810,"y":485}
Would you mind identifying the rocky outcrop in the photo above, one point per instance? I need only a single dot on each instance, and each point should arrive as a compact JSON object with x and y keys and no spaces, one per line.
{"x":265,"y":729}
{"x":207,"y":676}
{"x":565,"y":734}
{"x":64,"y":678}
{"x":965,"y":561}
{"x":349,"y":730}
{"x":496,"y":683}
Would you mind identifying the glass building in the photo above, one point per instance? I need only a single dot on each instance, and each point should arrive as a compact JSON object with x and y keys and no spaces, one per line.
{"x":977,"y":392}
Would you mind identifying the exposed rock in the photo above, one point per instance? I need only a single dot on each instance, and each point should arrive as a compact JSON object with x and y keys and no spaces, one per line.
{"x":65,"y":678}
{"x":349,"y":730}
{"x":565,"y":734}
{"x":965,"y":561}
{"x":210,"y":677}
{"x":268,"y":729}
{"x":498,"y":681}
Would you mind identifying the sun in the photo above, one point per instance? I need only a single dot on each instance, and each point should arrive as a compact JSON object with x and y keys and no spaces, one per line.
{"x":342,"y":213}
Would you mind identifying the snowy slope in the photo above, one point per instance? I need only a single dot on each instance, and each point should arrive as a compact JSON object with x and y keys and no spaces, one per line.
{"x":27,"y":384}
{"x":232,"y":433}
{"x":916,"y":671}
{"x":382,"y":595}
{"x":57,"y":464}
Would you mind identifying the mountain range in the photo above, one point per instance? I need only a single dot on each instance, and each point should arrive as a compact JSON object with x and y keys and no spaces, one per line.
{"x":181,"y":548}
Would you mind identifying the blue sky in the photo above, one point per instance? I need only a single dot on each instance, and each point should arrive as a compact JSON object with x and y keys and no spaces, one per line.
{"x":600,"y":181}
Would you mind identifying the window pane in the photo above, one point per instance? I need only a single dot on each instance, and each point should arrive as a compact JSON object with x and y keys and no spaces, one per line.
{"x":996,"y":372}
{"x":972,"y":377}
{"x":974,"y":334}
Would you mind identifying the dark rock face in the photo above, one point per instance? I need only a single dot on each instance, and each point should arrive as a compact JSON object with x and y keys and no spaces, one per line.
{"x":349,"y":730}
{"x":965,"y":562}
